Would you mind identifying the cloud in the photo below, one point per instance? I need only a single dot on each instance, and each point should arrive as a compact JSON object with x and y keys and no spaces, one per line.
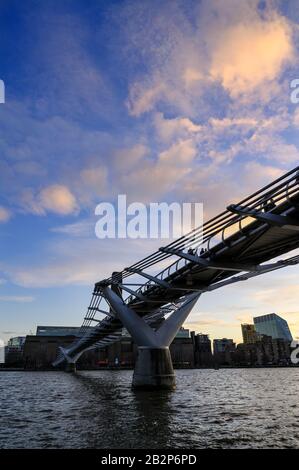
{"x":289,"y":294}
{"x":128,"y":157}
{"x":192,"y":75}
{"x":251,"y":137}
{"x":220,"y":125}
{"x":207,"y":321}
{"x":55,"y":198}
{"x":171,"y":55}
{"x":163,"y":174}
{"x":217,"y":82}
{"x":5,"y":214}
{"x":179,"y":154}
{"x":168,"y":129}
{"x":188,"y":109}
{"x":238,"y":46}
{"x":83,"y":228}
{"x":40,"y":152}
{"x":258,"y":175}
{"x":69,"y":79}
{"x":78,"y":261}
{"x":296,"y":118}
{"x":248,"y":54}
{"x":142,"y":99}
{"x":91,"y":184}
{"x":16,"y":298}
{"x":58,"y":199}
{"x":95,"y":178}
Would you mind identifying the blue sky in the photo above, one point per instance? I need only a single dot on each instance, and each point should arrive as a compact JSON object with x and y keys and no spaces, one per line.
{"x":160,"y":100}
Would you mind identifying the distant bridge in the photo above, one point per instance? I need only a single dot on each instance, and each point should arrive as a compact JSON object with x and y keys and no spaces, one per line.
{"x":152,"y":303}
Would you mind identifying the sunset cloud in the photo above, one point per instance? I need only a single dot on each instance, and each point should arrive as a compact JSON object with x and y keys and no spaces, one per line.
{"x":92,"y":184}
{"x":5,"y":214}
{"x":169,"y":129}
{"x":237,"y":45}
{"x":57,"y":198}
{"x":153,"y":179}
{"x":246,"y":55}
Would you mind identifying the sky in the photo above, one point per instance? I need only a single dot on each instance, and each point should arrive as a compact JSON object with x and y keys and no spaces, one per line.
{"x":184,"y":101}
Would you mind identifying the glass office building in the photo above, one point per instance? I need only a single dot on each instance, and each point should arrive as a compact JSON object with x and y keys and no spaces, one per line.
{"x":272,"y":325}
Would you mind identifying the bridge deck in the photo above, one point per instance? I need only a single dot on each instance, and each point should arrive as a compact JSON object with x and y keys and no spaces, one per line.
{"x":257,"y":243}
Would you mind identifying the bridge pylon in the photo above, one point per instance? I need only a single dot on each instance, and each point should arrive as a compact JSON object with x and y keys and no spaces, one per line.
{"x":70,"y":362}
{"x":153,"y":369}
{"x":70,"y":367}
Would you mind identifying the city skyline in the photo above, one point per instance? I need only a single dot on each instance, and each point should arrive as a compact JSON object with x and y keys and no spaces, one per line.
{"x":266,"y":342}
{"x":116,"y":111}
{"x":38,"y":330}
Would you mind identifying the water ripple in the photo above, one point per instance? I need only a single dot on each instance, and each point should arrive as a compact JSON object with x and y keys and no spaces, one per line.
{"x":237,"y":408}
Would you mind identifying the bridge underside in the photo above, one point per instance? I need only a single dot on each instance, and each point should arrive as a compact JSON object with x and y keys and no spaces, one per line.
{"x":234,"y":246}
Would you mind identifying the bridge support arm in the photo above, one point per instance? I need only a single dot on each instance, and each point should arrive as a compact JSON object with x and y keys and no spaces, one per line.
{"x":136,"y":326}
{"x":169,"y":328}
{"x":153,"y":368}
{"x":70,"y":365}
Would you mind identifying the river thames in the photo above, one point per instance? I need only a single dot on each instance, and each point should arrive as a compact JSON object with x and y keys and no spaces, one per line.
{"x":226,"y":408}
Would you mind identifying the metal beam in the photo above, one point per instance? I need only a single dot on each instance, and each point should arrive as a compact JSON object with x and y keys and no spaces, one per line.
{"x":262,"y":270}
{"x":101,"y":311}
{"x":223,"y":265}
{"x":97,"y":293}
{"x":132,"y":292}
{"x":139,"y":296}
{"x":92,"y":319}
{"x":158,"y":281}
{"x":283,"y":221}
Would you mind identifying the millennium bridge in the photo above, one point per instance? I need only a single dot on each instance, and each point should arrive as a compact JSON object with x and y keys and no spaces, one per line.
{"x":153,"y":297}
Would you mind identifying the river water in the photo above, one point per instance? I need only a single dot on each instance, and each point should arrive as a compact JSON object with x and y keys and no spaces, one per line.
{"x":235,"y":408}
